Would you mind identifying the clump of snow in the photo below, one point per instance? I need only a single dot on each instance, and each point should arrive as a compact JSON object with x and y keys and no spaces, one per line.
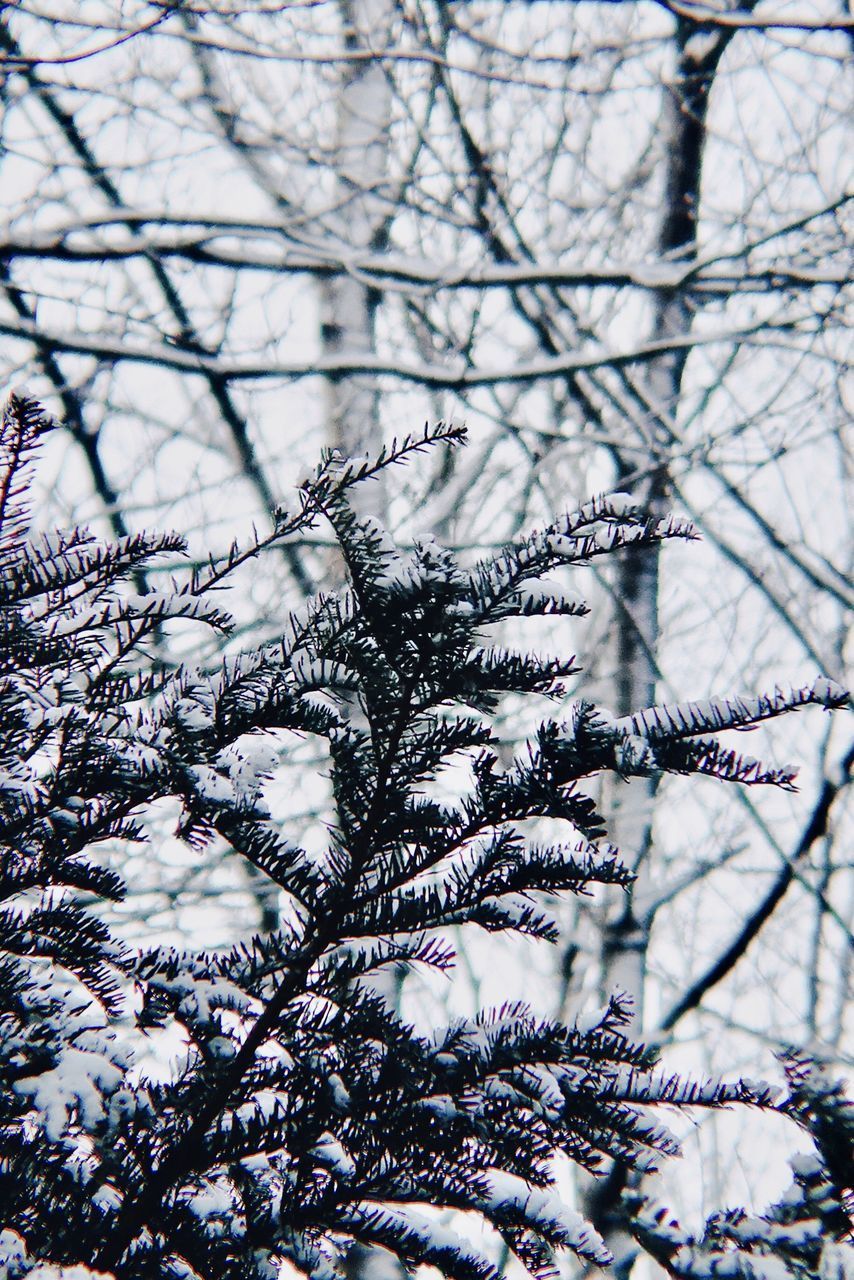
{"x":49,"y":1271}
{"x":765,"y":1266}
{"x":546,"y":1088}
{"x":193,"y":714}
{"x":561,"y":545}
{"x":260,"y":751}
{"x":13,"y":1254}
{"x":656,"y":1218}
{"x":441,"y":1105}
{"x":760,"y":1089}
{"x":107,"y":1198}
{"x":245,"y":764}
{"x":212,"y":1202}
{"x":512,"y":1196}
{"x":828,"y":691}
{"x":329,"y":1153}
{"x":398,"y":570}
{"x":76,"y":1084}
{"x":429,"y":1237}
{"x":836,"y":1262}
{"x":446,"y":1060}
{"x":198,"y":997}
{"x":620,"y":503}
{"x":264,"y":1267}
{"x":542,"y":592}
{"x":211,"y":785}
{"x":15,"y":1262}
{"x":634,"y":754}
{"x":590,"y":1019}
{"x":181,"y":1270}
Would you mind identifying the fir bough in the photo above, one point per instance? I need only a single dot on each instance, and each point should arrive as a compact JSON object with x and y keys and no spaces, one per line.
{"x":807,"y":1233}
{"x":307,"y":1114}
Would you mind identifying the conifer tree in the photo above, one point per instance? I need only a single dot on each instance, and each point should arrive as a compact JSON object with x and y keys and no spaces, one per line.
{"x":306,"y":1115}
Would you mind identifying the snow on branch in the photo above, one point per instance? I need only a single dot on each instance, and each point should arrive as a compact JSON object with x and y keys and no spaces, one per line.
{"x":306,"y":1117}
{"x":714,"y":715}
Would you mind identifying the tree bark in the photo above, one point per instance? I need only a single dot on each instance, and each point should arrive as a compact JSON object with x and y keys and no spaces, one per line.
{"x":625,"y":937}
{"x":358,"y":221}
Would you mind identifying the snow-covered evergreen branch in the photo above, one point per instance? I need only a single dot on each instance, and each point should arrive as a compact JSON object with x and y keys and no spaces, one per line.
{"x":308,"y":1115}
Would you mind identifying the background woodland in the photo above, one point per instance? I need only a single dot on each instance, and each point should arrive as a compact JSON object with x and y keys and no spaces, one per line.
{"x":612,"y":239}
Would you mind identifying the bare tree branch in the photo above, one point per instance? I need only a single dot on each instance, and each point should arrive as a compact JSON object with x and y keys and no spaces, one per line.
{"x":815,"y":829}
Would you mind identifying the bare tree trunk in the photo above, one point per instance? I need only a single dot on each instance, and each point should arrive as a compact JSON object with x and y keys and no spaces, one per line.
{"x":625,"y":937}
{"x":683,"y":124}
{"x":358,"y":220}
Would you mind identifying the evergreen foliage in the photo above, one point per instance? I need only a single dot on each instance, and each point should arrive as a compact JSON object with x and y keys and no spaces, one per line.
{"x":808,"y":1232}
{"x":307,"y":1115}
